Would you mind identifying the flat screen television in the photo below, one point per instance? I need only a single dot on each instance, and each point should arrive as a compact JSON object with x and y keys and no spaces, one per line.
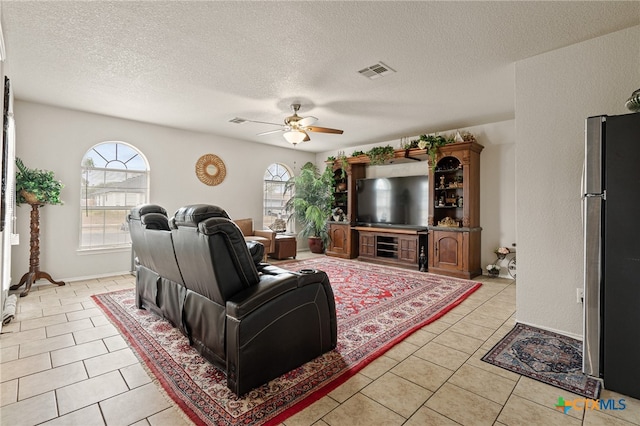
{"x":394,"y":201}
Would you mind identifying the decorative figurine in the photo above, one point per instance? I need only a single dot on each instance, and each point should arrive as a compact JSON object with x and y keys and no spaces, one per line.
{"x":423,"y":260}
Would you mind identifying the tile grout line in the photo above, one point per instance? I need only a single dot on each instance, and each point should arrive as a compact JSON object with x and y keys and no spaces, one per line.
{"x":468,"y":358}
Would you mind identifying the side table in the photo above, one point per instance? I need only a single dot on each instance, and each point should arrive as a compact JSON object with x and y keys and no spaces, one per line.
{"x":286,"y":246}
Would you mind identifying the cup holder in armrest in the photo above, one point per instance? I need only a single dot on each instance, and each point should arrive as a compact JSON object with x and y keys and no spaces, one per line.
{"x":308,"y":271}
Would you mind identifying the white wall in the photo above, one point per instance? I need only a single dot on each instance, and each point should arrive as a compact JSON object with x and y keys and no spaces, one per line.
{"x":497,"y":182}
{"x":555,"y":92}
{"x":56,"y":139}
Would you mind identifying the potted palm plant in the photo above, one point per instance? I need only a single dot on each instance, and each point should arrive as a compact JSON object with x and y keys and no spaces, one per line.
{"x":310,"y":204}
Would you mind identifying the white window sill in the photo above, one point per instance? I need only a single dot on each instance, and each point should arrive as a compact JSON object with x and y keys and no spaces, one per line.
{"x":104,"y":250}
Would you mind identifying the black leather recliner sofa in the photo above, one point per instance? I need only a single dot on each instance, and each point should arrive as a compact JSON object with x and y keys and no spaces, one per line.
{"x":252,"y":320}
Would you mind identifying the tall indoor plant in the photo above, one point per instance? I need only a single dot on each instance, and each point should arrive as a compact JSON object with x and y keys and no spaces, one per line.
{"x":37,"y":188}
{"x":310,"y":204}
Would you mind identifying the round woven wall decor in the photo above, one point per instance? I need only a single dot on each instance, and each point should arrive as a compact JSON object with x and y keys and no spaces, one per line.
{"x":210,"y":169}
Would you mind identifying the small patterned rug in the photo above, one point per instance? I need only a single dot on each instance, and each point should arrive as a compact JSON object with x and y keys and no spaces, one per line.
{"x":376,"y":308}
{"x":544,"y":356}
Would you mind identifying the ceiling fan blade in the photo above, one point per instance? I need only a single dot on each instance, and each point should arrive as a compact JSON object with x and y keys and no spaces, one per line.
{"x":306,"y":121}
{"x":323,"y":130}
{"x":262,"y":122}
{"x":306,"y":138}
{"x":268,"y":132}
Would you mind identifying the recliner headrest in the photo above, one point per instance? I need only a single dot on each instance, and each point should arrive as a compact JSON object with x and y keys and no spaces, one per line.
{"x":138,"y":211}
{"x":156,"y":221}
{"x":193,"y":214}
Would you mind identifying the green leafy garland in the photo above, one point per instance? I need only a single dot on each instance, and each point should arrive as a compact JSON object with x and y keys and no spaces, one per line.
{"x":431,"y":143}
{"x":380,"y":154}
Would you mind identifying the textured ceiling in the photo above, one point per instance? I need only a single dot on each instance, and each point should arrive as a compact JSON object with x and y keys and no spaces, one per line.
{"x":196,"y":65}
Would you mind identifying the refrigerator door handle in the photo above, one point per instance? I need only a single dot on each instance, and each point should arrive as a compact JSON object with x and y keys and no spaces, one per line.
{"x":592,"y":284}
{"x":582,"y":179}
{"x":582,"y":194}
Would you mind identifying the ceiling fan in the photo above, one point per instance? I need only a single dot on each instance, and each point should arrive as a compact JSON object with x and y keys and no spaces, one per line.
{"x":295,"y":128}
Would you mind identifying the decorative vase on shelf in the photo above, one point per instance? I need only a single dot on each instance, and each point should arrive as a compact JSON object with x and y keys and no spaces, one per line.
{"x":501,"y":252}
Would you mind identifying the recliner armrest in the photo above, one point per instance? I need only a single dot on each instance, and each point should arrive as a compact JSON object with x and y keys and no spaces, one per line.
{"x":267,"y":233}
{"x":269,"y":288}
{"x":269,"y":269}
{"x":256,"y":250}
{"x":287,"y":318}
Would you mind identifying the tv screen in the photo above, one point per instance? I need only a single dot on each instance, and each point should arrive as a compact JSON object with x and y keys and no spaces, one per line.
{"x":393,"y":201}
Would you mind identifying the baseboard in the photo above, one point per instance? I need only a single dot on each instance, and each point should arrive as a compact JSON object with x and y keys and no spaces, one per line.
{"x":564,"y":333}
{"x":94,"y":277}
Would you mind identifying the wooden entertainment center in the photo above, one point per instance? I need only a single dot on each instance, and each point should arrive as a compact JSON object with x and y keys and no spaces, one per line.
{"x":386,"y":245}
{"x":450,"y":243}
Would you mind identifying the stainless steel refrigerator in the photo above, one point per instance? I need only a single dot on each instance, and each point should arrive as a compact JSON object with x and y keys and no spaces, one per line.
{"x":611,"y":217}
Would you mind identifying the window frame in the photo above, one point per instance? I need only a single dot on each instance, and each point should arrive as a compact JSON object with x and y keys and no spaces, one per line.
{"x":140,"y":197}
{"x":287,"y":172}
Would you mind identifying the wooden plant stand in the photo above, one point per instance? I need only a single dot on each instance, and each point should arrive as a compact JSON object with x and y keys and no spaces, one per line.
{"x":34,"y":273}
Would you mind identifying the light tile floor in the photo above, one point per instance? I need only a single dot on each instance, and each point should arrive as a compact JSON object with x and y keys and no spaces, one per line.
{"x":63,"y":363}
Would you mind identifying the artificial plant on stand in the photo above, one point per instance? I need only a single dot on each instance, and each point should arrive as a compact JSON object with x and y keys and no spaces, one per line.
{"x":36,"y":188}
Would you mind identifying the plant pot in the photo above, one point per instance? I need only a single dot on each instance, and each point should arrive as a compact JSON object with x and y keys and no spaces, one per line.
{"x":30,"y":197}
{"x":315,"y":245}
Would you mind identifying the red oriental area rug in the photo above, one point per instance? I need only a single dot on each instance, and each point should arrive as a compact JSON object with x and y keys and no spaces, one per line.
{"x":376,"y":307}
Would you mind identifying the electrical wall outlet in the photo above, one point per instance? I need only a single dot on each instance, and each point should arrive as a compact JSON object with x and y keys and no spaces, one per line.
{"x":579,"y":295}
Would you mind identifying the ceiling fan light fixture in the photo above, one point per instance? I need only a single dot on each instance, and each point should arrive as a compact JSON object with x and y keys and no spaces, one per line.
{"x":294,"y":137}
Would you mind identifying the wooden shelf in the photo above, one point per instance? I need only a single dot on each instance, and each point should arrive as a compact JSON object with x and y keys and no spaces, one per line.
{"x":399,"y":156}
{"x":394,"y":246}
{"x":416,"y":154}
{"x":455,"y":251}
{"x":343,"y":236}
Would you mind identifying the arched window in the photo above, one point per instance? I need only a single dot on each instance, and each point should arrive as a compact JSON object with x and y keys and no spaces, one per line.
{"x":115,"y":178}
{"x":275,"y":180}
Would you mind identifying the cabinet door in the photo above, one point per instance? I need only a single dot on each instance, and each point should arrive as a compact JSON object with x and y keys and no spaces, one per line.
{"x":339,"y":238}
{"x":408,"y":249}
{"x":367,"y":244}
{"x":448,"y":250}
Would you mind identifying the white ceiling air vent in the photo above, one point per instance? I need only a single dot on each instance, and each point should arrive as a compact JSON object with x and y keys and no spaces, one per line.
{"x":376,"y":71}
{"x":238,"y":120}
